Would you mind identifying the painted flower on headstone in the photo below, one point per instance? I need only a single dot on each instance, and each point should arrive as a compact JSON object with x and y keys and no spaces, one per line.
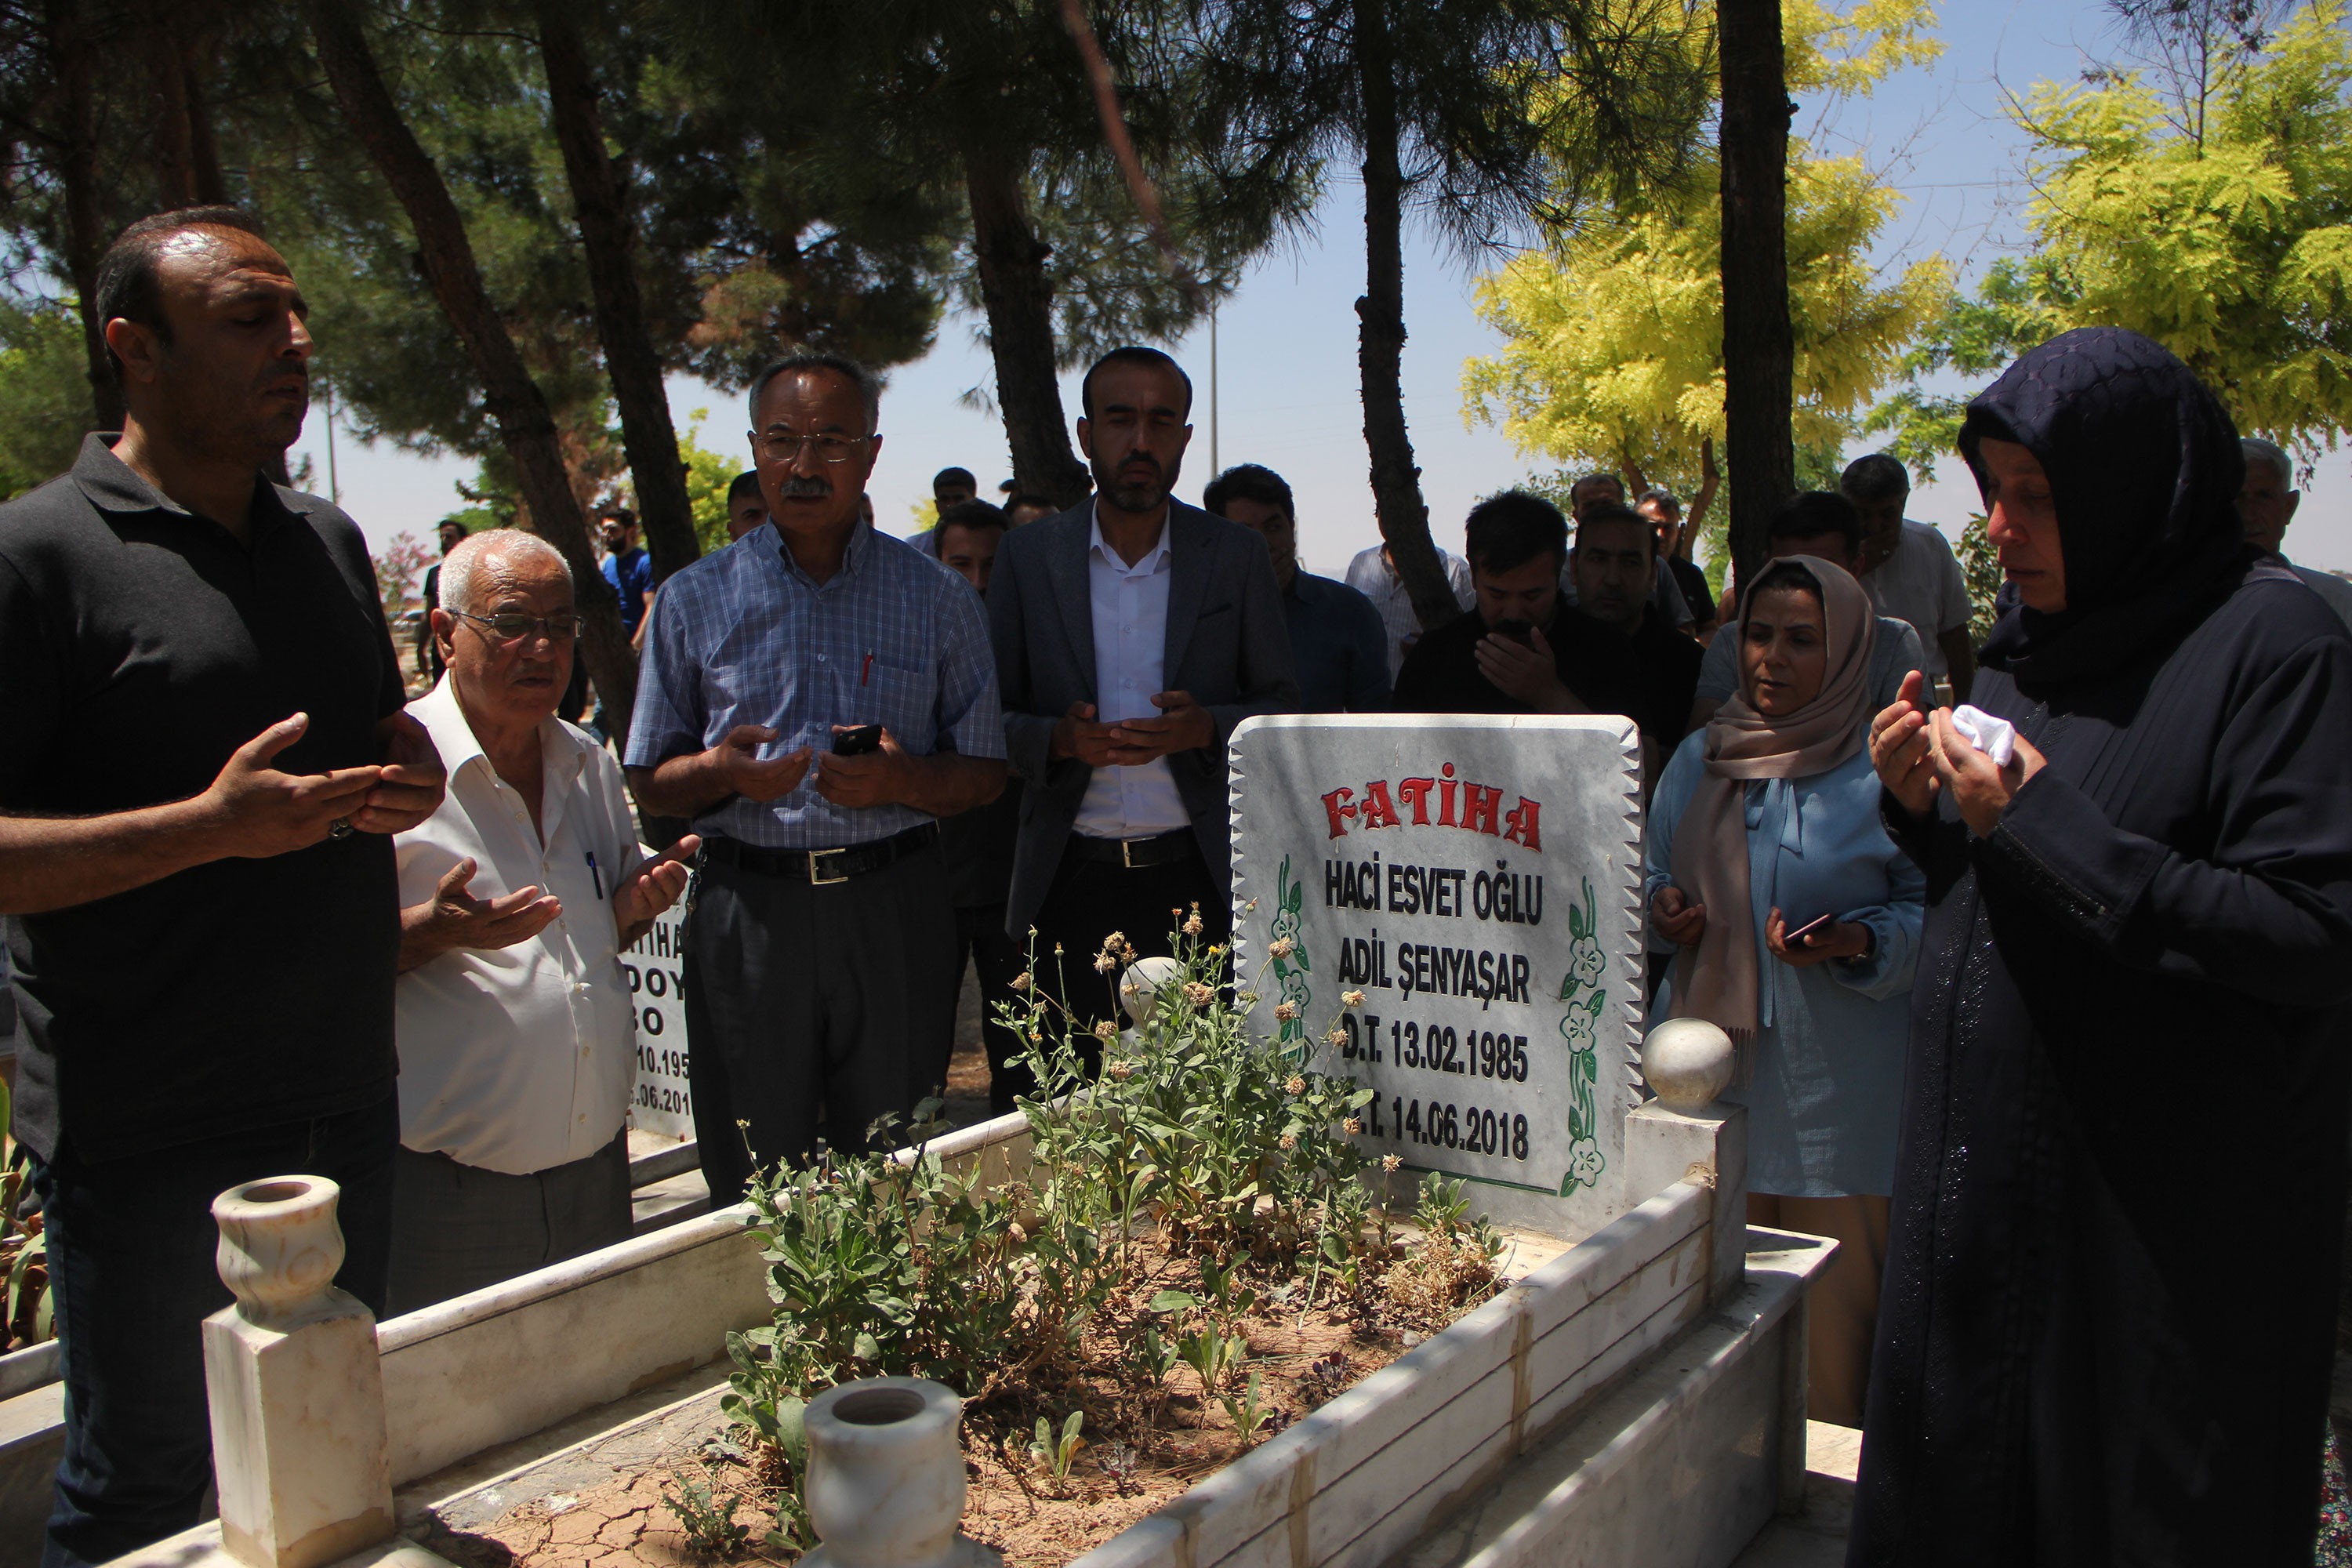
{"x":1288,"y":954}
{"x":1582,"y":1023}
{"x":1585,"y":1163}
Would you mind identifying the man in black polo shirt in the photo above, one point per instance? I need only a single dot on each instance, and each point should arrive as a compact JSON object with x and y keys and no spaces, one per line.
{"x":206,"y":759}
{"x":1522,"y":650}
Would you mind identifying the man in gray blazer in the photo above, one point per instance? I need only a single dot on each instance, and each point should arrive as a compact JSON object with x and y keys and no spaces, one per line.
{"x":1132,"y":633}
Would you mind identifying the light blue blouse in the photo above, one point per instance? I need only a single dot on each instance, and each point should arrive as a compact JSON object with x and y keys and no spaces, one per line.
{"x":1825,"y":1096}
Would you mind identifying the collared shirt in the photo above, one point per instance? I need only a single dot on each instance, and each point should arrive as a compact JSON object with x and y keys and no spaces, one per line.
{"x":520,"y":1058}
{"x":1921,"y":582}
{"x":630,"y":576}
{"x":140,"y":646}
{"x":1130,"y":622}
{"x":1339,"y":646}
{"x":745,"y":636}
{"x":1370,"y":574}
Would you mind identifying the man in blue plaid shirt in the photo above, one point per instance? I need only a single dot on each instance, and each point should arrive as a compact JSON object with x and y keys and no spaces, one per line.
{"x":821,"y":940}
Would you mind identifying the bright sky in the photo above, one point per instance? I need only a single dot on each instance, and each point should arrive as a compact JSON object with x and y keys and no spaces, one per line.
{"x":1285,"y":382}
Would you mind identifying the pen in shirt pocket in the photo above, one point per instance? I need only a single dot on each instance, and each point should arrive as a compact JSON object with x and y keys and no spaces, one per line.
{"x":867,"y":670}
{"x":594,"y":877}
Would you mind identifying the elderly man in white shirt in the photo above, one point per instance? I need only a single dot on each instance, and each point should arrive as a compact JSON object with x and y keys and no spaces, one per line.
{"x":2266,"y":505}
{"x":1909,"y":571}
{"x":513,"y":1021}
{"x":1373,"y":574}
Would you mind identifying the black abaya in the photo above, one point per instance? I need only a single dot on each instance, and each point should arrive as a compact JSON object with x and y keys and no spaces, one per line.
{"x":2108,"y":1312}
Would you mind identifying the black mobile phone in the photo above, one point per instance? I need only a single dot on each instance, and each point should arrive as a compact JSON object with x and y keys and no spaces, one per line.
{"x":1814,"y":927}
{"x":1519,"y":632}
{"x":859,"y":742}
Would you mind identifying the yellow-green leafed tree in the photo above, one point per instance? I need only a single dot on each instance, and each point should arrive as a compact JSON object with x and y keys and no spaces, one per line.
{"x":2213,"y":214}
{"x":708,"y":476}
{"x":1614,"y":350}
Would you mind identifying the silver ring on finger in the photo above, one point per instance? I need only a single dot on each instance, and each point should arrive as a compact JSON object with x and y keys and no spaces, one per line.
{"x":340,"y":828}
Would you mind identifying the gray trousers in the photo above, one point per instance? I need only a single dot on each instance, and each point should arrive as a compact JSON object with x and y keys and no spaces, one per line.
{"x":457,"y":1227}
{"x":806,"y":1001}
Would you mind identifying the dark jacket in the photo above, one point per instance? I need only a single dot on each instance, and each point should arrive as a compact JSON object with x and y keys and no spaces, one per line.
{"x":2107,"y":1322}
{"x":1227,"y":645}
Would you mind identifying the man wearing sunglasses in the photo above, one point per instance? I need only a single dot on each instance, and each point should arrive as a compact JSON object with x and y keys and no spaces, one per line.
{"x":815,"y":697}
{"x":517,"y":1037}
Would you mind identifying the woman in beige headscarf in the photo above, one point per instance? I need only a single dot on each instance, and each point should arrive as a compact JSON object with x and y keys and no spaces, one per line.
{"x":1765,"y":823}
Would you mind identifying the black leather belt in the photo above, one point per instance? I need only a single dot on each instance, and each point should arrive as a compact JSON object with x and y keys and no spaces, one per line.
{"x":821,"y":867}
{"x":1134,"y":853}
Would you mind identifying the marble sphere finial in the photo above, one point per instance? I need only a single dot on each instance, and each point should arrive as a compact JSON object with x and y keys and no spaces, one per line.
{"x":1139,"y":988}
{"x":1687,"y":1063}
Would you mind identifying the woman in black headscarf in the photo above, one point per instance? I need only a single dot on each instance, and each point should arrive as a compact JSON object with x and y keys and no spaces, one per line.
{"x":2106,"y":1324}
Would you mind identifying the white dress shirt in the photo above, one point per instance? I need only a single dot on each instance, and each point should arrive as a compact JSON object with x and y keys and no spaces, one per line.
{"x":1370,"y":574}
{"x":520,"y":1058}
{"x":1130,"y":621}
{"x":1921,"y":582}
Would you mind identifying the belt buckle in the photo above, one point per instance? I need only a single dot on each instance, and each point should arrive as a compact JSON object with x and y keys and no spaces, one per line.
{"x":817,"y":879}
{"x":1127,"y":854}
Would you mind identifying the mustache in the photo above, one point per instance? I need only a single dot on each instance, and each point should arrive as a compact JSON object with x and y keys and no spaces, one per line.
{"x":795,"y":487}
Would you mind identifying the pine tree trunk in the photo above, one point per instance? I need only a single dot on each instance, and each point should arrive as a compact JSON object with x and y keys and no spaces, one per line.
{"x":204,"y":143}
{"x":1019,"y":301}
{"x":632,"y":365}
{"x":1758,"y":347}
{"x":1397,"y":501}
{"x":86,"y":237}
{"x":512,"y":397}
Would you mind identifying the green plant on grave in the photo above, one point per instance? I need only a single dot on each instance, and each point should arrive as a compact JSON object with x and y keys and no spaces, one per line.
{"x":1250,"y":1410}
{"x":1213,"y":1354}
{"x":1054,"y":1452}
{"x":1237,"y":1157}
{"x":707,"y":1516}
{"x":1225,"y":1146}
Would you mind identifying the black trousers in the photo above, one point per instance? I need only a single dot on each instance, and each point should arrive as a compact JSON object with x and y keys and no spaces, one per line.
{"x":1091,"y":899}
{"x":998,"y":961}
{"x":135,"y":1271}
{"x":813,"y":1005}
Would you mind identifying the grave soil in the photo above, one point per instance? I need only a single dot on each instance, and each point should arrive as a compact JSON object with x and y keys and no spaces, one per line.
{"x":1013,"y":1503}
{"x":1140,"y":1451}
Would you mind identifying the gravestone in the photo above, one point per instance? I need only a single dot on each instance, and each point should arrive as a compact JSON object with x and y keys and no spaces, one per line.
{"x":1476,"y":880}
{"x":655,"y":968}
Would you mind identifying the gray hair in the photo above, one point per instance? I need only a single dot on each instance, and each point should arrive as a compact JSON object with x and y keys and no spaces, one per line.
{"x":1877,"y":477}
{"x":803,"y":361}
{"x":2258,"y":450}
{"x":510,"y":544}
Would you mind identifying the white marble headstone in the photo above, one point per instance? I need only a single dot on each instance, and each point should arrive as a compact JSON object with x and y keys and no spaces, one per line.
{"x":1477,"y":879}
{"x":656,"y":969}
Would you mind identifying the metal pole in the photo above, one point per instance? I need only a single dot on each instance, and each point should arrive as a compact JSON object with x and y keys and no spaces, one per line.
{"x":1215,"y":468}
{"x":334,"y":487}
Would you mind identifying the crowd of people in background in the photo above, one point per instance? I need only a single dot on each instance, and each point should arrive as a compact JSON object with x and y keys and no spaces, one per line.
{"x":1981,"y":921}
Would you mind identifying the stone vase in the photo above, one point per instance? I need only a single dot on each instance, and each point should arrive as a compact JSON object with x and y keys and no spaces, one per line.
{"x":279,"y":1246}
{"x":885,"y":1483}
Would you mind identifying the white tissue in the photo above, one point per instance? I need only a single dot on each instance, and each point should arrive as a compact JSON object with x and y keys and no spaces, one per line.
{"x":1996,"y":738}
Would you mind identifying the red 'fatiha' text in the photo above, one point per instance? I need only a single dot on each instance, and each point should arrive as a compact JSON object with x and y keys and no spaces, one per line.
{"x":1475,"y":808}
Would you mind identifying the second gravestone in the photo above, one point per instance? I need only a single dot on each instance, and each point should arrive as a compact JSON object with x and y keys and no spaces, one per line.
{"x":655,"y":968}
{"x":1475,"y":882}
